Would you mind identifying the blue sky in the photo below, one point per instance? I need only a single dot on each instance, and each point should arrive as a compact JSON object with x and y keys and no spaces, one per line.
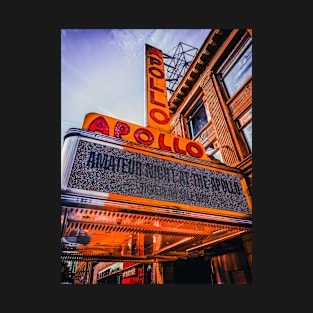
{"x":103,"y":70}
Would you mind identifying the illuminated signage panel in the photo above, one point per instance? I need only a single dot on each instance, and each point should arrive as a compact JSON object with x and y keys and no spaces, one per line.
{"x":110,"y":270}
{"x":146,"y":136}
{"x":156,"y":95}
{"x":111,"y":169}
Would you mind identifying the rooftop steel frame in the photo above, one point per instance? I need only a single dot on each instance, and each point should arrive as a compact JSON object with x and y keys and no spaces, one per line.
{"x":176,"y":63}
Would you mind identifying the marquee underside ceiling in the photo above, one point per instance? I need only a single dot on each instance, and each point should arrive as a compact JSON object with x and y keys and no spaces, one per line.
{"x":118,"y":232}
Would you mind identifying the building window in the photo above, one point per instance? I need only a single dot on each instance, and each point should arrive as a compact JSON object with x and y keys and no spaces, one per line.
{"x":215,"y":152}
{"x":245,"y":126}
{"x":197,"y":119}
{"x":238,"y":69}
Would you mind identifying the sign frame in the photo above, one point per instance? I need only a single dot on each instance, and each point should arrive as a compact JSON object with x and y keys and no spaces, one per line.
{"x":74,"y":136}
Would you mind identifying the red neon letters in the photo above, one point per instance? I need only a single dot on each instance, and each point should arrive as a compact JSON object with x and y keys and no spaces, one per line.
{"x":145,"y":137}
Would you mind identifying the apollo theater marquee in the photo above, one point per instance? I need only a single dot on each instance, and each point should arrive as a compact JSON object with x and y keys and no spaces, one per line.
{"x":117,"y":174}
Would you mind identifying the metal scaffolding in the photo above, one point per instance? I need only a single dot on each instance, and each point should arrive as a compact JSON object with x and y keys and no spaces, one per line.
{"x":176,"y":64}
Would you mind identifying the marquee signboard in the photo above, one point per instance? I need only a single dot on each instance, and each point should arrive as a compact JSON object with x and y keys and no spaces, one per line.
{"x":146,"y":136}
{"x":111,"y":159}
{"x":112,"y":169}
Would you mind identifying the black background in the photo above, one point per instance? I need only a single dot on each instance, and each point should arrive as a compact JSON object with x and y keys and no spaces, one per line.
{"x":31,"y":158}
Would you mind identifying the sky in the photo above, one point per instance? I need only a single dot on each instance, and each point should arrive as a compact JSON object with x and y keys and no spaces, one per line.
{"x":103,"y":70}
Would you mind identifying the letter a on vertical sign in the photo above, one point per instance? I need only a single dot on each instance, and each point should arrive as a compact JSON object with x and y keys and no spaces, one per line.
{"x":156,"y":95}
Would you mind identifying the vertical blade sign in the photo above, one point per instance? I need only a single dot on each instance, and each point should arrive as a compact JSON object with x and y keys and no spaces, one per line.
{"x":157,"y":105}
